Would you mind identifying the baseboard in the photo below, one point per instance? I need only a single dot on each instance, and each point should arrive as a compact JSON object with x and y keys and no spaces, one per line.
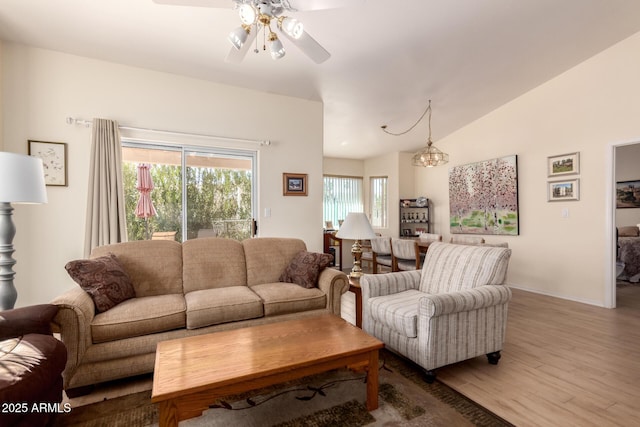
{"x":556,"y":295}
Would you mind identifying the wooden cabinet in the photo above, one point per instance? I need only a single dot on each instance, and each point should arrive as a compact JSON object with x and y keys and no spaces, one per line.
{"x":414,"y":217}
{"x":333,"y":246}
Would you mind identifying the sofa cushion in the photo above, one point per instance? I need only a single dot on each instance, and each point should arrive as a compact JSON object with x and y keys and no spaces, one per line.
{"x":104,"y":279}
{"x":397,"y":311}
{"x":305,"y":268}
{"x":155,"y":266}
{"x":213,"y":306}
{"x":140,"y":316}
{"x":267,"y":257}
{"x":212,"y":263}
{"x":449,"y":267}
{"x":282,"y":298}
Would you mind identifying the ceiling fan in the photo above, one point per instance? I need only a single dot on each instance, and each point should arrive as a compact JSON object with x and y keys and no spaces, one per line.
{"x":260,"y":15}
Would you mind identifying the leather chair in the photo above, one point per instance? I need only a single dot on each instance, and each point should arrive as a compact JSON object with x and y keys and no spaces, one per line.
{"x":454,"y":309}
{"x":31,"y":364}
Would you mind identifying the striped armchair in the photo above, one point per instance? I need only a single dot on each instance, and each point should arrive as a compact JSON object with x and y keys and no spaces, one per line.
{"x":454,"y":309}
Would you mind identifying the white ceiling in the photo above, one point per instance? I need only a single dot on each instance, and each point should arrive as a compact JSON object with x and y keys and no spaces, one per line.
{"x":388,"y":57}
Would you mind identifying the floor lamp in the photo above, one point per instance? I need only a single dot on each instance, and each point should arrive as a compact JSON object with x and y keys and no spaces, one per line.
{"x":21,"y":181}
{"x":357,"y":227}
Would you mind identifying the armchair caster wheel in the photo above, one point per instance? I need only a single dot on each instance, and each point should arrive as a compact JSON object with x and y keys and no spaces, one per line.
{"x":430,"y":376}
{"x":494,"y":357}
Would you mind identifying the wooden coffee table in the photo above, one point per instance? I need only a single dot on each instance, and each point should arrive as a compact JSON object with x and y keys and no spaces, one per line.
{"x":191,"y":373}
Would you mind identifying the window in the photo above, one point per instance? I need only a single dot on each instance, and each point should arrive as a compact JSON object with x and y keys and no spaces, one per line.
{"x":378,"y":200}
{"x":197,"y":191}
{"x":342,"y":194}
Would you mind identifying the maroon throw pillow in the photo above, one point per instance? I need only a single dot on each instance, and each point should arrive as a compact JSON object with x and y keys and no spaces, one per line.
{"x":305,"y":268}
{"x":104,"y":279}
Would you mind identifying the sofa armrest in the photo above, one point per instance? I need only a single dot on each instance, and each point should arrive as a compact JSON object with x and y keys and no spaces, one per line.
{"x":376,"y":285}
{"x":333,"y":283}
{"x":34,"y":319}
{"x":434,"y":305}
{"x":76,"y":311}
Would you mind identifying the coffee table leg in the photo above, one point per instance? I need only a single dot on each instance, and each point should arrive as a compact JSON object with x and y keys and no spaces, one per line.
{"x":168,"y":414}
{"x":372,"y":381}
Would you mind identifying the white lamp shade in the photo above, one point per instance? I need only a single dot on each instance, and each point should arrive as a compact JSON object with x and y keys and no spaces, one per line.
{"x":21,"y":179}
{"x":356,"y":227}
{"x":277,"y":50}
{"x":292,"y":27}
{"x":247,"y":14}
{"x":238,"y":37}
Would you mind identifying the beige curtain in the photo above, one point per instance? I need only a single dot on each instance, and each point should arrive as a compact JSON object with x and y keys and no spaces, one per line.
{"x":106,"y":221}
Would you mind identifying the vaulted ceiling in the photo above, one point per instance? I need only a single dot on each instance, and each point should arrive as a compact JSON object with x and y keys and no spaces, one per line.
{"x":388,"y":58}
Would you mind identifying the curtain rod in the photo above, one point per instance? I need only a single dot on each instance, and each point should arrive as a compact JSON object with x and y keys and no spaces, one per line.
{"x":87,"y":123}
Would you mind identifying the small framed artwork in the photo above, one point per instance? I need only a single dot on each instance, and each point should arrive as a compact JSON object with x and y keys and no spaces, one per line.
{"x":560,"y":191}
{"x":628,"y":194}
{"x":294,"y":184}
{"x":406,"y":232}
{"x":54,"y":160}
{"x":564,"y":164}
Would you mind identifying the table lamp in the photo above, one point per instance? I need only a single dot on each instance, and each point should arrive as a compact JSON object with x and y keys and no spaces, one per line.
{"x":21,"y":181}
{"x":356,"y":227}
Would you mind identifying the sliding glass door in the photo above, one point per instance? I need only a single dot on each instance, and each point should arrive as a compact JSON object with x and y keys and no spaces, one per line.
{"x":197,"y":192}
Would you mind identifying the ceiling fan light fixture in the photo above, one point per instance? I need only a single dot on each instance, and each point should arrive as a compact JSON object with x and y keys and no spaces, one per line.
{"x":238,"y":36}
{"x":291,"y":26}
{"x":248,"y":14}
{"x":277,"y":49}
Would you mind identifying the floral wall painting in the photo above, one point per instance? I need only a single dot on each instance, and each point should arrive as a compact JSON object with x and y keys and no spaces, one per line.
{"x":628,"y":194}
{"x":483,"y":197}
{"x":54,"y":161}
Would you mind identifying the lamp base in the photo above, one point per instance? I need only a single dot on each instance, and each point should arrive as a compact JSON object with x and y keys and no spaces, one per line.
{"x":356,"y":250}
{"x":8,"y":293}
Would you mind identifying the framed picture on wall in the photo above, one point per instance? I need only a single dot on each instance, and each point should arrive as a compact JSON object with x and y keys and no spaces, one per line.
{"x":294,"y":184}
{"x":54,"y":160}
{"x":560,"y":191}
{"x":628,"y":194}
{"x":564,"y":164}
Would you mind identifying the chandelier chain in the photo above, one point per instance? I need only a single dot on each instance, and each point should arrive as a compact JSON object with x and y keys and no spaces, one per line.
{"x":427,"y":110}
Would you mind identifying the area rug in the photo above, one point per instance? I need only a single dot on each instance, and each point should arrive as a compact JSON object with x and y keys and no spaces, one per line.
{"x":335,"y":398}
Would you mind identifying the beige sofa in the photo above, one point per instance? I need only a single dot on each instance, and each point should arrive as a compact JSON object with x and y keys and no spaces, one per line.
{"x":197,"y":287}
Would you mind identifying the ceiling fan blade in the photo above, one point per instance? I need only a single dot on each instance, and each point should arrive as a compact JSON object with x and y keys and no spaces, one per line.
{"x":310,"y":47}
{"x":223,"y":4}
{"x":306,"y":5}
{"x":236,"y":56}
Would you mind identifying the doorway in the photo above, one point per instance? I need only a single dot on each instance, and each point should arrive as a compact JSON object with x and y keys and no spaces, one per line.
{"x":624,"y":158}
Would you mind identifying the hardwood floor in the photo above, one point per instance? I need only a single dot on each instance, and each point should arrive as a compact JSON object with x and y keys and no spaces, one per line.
{"x":564,"y":364}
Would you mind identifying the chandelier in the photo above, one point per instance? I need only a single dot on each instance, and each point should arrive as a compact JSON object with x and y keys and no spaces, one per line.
{"x":257,"y":15}
{"x":430,"y":155}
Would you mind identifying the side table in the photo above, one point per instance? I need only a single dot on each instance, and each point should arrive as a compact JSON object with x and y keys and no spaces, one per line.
{"x":354,"y":286}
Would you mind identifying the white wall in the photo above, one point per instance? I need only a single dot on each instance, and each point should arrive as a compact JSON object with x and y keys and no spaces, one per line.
{"x":628,"y":169}
{"x":586,"y":109}
{"x":343,"y":167}
{"x":1,"y":117}
{"x":40,"y":88}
